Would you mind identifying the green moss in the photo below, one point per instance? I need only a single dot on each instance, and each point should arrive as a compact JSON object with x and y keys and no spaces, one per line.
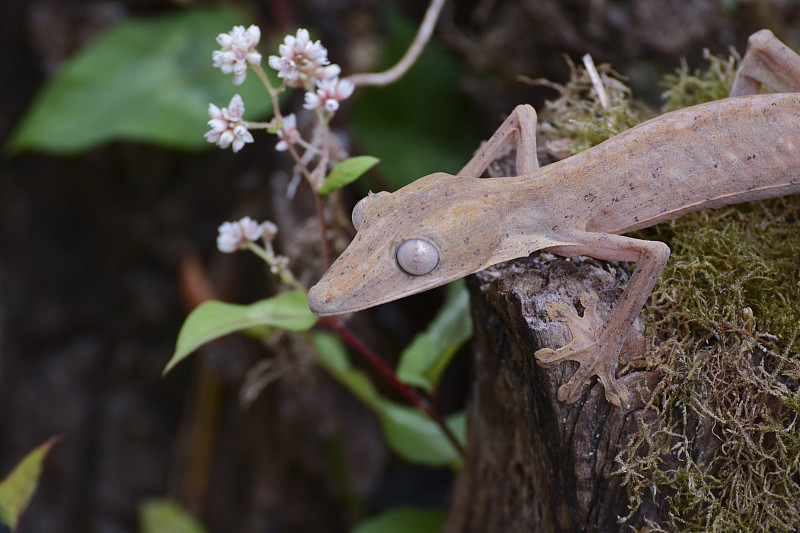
{"x":685,"y":88}
{"x":579,"y":117}
{"x":719,"y":443}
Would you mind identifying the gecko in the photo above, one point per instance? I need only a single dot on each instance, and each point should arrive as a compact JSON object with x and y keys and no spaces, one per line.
{"x":444,"y":227}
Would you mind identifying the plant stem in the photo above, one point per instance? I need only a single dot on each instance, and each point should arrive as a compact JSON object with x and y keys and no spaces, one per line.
{"x":411,"y":55}
{"x":323,"y":229}
{"x":273,"y":94}
{"x":385,"y":370}
{"x":287,"y":278}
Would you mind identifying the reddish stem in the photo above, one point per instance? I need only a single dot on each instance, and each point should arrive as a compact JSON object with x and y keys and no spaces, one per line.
{"x":386,"y":371}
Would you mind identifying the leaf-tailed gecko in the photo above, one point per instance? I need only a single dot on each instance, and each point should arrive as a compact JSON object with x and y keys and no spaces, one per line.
{"x":443,"y":227}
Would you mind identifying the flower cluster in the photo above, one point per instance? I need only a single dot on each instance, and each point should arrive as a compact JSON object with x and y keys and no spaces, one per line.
{"x":238,"y":52}
{"x":227,"y":126}
{"x":305,"y":64}
{"x":235,"y":235}
{"x":329,"y":93}
{"x":301,"y":63}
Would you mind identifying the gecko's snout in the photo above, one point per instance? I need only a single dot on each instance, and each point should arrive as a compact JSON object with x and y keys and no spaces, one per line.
{"x":319,"y":300}
{"x":326,"y":298}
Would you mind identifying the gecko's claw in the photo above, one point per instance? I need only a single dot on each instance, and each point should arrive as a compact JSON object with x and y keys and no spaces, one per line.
{"x":595,"y":358}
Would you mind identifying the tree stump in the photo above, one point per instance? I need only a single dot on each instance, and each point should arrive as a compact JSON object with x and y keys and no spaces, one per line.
{"x":534,"y":463}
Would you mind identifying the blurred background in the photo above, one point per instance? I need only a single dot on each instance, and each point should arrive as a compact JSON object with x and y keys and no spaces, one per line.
{"x":107,"y":242}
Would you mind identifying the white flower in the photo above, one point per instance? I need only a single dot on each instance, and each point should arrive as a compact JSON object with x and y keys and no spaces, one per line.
{"x":329,"y":94}
{"x":251,"y":229}
{"x":227,"y":126}
{"x":234,"y":235}
{"x":238,"y":52}
{"x":301,"y":63}
{"x":268,"y":230}
{"x":288,"y":133}
{"x":230,"y":237}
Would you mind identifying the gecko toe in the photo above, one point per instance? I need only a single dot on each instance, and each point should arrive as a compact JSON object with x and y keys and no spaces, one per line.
{"x":595,"y":358}
{"x":561,"y":312}
{"x":589,"y":301}
{"x":571,"y":390}
{"x":547,"y":357}
{"x":616,"y":393}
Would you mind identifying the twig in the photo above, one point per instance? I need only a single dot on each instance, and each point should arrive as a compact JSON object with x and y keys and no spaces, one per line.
{"x":396,"y":72}
{"x":596,"y":82}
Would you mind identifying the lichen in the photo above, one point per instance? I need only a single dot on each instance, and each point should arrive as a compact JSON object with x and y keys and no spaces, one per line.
{"x":719,"y":443}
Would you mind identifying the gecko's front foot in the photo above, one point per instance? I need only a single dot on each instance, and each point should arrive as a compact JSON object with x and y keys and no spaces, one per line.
{"x":595,"y":356}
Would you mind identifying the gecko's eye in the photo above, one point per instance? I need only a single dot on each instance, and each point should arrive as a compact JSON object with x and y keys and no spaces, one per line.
{"x":358,"y":213}
{"x":417,"y":257}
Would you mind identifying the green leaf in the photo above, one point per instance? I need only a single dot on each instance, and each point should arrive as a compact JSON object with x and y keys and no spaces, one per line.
{"x":17,"y":489}
{"x":417,"y":438}
{"x":332,"y":356}
{"x":347,"y":172}
{"x":421,"y":124}
{"x":142,"y":80}
{"x":162,"y":515}
{"x":409,"y":432}
{"x":426,"y":358}
{"x":213,"y":319}
{"x":406,"y":520}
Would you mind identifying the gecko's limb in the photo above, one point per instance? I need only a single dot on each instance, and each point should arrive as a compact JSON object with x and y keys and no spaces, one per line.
{"x":597,"y":345}
{"x":520,"y":126}
{"x":769,"y":62}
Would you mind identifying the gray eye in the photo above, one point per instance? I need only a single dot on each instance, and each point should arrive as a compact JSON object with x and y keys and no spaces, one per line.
{"x":358,"y":213}
{"x":417,"y":257}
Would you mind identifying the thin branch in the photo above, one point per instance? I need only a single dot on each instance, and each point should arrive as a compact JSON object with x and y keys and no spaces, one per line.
{"x":396,"y":72}
{"x":323,"y":229}
{"x":596,"y":82}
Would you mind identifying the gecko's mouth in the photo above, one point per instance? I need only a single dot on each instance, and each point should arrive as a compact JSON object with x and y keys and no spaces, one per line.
{"x":326,"y":298}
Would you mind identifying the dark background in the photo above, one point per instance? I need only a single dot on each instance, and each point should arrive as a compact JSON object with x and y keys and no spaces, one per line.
{"x":93,"y":249}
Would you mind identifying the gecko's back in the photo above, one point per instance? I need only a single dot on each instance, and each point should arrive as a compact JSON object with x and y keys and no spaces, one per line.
{"x":730,"y":151}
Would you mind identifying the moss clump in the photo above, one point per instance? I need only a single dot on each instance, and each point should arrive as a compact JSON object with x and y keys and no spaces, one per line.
{"x":721,"y":441}
{"x":580,"y":118}
{"x":685,"y":88}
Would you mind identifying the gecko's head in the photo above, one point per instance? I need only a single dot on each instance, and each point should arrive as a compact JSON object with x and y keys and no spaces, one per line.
{"x":433,"y":231}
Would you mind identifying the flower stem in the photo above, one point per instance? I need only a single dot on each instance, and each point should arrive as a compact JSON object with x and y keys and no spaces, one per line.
{"x":287,"y":278}
{"x":273,"y":93}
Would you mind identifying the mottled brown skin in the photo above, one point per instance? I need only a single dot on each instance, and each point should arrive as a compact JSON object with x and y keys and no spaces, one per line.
{"x":725,"y":152}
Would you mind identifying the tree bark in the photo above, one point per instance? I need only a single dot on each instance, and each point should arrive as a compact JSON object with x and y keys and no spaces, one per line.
{"x":534,"y":463}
